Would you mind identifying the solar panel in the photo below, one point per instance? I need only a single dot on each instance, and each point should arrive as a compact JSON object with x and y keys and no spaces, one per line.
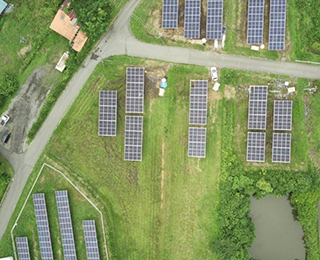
{"x":281,"y":148}
{"x":258,"y":107}
{"x":170,"y":14}
{"x":198,"y":102}
{"x":277,"y":24}
{"x":135,"y":90}
{"x":255,"y":22}
{"x":282,"y":115}
{"x":23,"y":248}
{"x":69,"y":249}
{"x":214,"y":19}
{"x":40,"y":209}
{"x":197,"y":142}
{"x":192,"y":19}
{"x":90,"y":237}
{"x":107,"y":113}
{"x":133,"y":138}
{"x":256,"y":145}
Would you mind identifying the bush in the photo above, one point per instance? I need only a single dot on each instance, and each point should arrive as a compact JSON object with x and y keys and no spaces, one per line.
{"x":8,"y":86}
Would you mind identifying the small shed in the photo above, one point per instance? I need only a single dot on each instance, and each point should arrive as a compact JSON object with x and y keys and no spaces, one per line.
{"x":3,"y":6}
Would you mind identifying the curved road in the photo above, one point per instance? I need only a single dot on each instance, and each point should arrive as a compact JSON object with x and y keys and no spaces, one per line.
{"x":119,"y":41}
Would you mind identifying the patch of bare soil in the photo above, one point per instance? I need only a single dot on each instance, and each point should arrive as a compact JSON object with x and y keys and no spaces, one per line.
{"x":22,"y":53}
{"x":229,"y":92}
{"x":26,"y":106}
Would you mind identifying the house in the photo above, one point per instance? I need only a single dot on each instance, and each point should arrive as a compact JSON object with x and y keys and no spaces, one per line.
{"x":3,"y":6}
{"x":66,"y":25}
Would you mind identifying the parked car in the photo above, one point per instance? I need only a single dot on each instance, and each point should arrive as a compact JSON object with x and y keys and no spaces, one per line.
{"x":4,"y":120}
{"x":214,"y":74}
{"x":6,"y":137}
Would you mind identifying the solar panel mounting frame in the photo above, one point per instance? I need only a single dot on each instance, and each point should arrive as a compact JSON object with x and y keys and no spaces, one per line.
{"x":192,"y":19}
{"x":255,"y":22}
{"x":282,"y":115}
{"x":214,"y":19}
{"x":197,"y":142}
{"x":133,"y":143}
{"x":107,"y":113}
{"x":170,"y":9}
{"x":134,"y":90}
{"x":281,"y":148}
{"x":91,"y":241}
{"x":256,"y":146}
{"x":198,"y":102}
{"x":23,"y":248}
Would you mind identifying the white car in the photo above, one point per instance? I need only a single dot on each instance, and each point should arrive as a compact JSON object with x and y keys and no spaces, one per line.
{"x":214,"y":74}
{"x":4,"y":120}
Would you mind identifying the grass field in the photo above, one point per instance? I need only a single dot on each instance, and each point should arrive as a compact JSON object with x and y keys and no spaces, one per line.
{"x":164,"y":207}
{"x":147,"y":28}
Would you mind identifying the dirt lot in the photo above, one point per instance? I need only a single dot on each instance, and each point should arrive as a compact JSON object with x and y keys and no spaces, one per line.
{"x":25,"y":107}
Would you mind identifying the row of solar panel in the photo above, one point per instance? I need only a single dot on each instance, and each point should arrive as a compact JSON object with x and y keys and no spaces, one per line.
{"x":198,"y":116}
{"x":257,"y":113}
{"x":66,"y":231}
{"x":277,"y":24}
{"x":281,"y":147}
{"x":192,"y":17}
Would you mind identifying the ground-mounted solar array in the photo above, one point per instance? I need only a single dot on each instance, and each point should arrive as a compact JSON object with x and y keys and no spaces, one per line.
{"x":133,"y":138}
{"x":257,"y":117}
{"x":135,"y":90}
{"x":282,"y":115}
{"x":277,"y":24}
{"x":90,"y":238}
{"x":198,"y":102}
{"x":170,"y":14}
{"x":197,"y":142}
{"x":107,"y":113}
{"x":256,"y":145}
{"x":23,"y":248}
{"x":281,"y":147}
{"x":255,"y":22}
{"x":214,"y":19}
{"x":192,"y":19}
{"x":66,"y":230}
{"x":40,"y":209}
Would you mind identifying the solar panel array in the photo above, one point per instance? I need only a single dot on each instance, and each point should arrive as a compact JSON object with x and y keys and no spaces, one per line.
{"x":277,"y":24}
{"x":255,"y":22}
{"x":282,"y":115}
{"x":214,"y":19}
{"x":69,"y":249}
{"x":192,"y":19}
{"x":256,"y":145}
{"x":107,"y":113}
{"x":170,"y":14}
{"x":39,"y":204}
{"x":91,"y":242}
{"x":23,"y":248}
{"x":133,"y":138}
{"x":197,"y":142}
{"x":135,"y":90}
{"x":281,"y":148}
{"x":258,"y":107}
{"x":198,"y":102}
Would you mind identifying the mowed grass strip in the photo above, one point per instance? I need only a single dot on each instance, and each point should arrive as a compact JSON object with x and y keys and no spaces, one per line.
{"x":146,"y":220}
{"x":80,"y":208}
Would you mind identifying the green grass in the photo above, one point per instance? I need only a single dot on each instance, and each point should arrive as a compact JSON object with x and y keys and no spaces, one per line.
{"x":6,"y":173}
{"x":142,"y":223}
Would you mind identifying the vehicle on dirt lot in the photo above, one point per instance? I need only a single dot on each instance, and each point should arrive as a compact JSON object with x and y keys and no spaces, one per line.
{"x":214,"y":74}
{"x":6,"y":137}
{"x":4,"y":120}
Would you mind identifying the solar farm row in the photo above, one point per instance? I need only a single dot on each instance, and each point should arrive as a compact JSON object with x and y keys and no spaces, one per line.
{"x":192,"y":17}
{"x":277,"y":23}
{"x":281,"y":147}
{"x":66,"y":231}
{"x":282,"y":121}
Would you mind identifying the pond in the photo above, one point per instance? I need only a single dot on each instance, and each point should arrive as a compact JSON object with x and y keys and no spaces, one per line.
{"x":278,"y":235}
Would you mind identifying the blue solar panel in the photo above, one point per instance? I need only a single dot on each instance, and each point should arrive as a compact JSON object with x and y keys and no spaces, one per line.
{"x":23,"y":248}
{"x":214,"y":19}
{"x":42,"y":226}
{"x":192,"y":18}
{"x":277,"y":26}
{"x":255,"y":22}
{"x":170,"y":14}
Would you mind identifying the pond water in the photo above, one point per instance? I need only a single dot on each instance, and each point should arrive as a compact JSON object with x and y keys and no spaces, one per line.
{"x":278,"y":235}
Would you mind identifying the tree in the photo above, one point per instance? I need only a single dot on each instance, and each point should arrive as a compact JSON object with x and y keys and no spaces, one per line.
{"x":93,"y":16}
